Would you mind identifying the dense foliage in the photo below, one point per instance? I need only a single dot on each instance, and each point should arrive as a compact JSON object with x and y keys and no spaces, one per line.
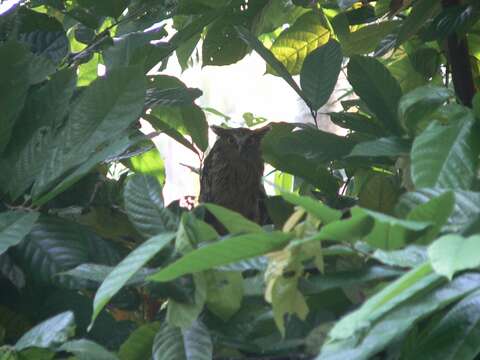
{"x":375,"y":247}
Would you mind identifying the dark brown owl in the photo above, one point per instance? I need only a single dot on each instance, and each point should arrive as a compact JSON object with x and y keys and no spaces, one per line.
{"x":232,"y":172}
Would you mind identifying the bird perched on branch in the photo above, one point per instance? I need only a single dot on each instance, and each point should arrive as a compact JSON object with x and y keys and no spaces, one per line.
{"x":232,"y":172}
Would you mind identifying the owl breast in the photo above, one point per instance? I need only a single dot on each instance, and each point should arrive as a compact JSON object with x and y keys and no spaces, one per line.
{"x":234,"y":184}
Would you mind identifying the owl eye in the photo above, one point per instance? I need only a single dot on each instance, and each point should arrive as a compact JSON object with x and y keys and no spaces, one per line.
{"x":230,"y":140}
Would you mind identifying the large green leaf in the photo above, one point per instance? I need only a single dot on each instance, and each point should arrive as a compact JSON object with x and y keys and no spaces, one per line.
{"x":394,"y":325}
{"x":224,"y":292}
{"x":196,"y":125}
{"x":466,"y":206}
{"x":145,"y":208}
{"x":14,"y":65}
{"x":134,"y":49}
{"x":314,"y":207}
{"x":437,"y":211}
{"x":50,"y":333}
{"x":319,"y":73}
{"x":453,"y":253}
{"x":455,"y":335}
{"x":446,"y":156}
{"x":389,"y":146}
{"x":43,"y":34}
{"x":305,"y":153}
{"x":412,"y":283}
{"x":367,"y":38}
{"x":222,"y":45}
{"x":233,"y":221}
{"x":421,"y":12}
{"x":126,"y":269}
{"x":53,"y":246}
{"x":101,"y":114}
{"x":418,"y":105}
{"x":149,"y":163}
{"x":14,"y":226}
{"x":184,"y":314}
{"x":113,"y":8}
{"x":376,"y":86}
{"x":98,"y":273}
{"x":293,"y":45}
{"x":348,"y":230}
{"x":223,"y":252}
{"x":193,"y":343}
{"x":138,"y":346}
{"x":87,"y":350}
{"x":35,"y":129}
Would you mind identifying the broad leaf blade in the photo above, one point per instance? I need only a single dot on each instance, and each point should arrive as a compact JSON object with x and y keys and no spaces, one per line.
{"x":319,"y":73}
{"x":222,"y":253}
{"x":50,"y":333}
{"x":14,"y":226}
{"x":126,"y":269}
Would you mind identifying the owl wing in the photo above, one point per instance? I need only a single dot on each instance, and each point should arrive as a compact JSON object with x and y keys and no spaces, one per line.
{"x":206,"y":180}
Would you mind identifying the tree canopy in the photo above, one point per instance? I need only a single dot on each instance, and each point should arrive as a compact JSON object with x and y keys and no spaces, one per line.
{"x":374,"y":247}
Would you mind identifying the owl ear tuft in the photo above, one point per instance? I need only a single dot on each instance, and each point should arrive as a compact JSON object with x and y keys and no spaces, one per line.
{"x":263,"y":130}
{"x":218,"y":130}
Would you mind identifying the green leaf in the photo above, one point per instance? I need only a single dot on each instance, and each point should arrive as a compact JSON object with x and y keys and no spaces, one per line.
{"x":318,"y":283}
{"x":348,"y":230}
{"x":416,"y":107}
{"x":376,"y":86}
{"x":52,"y":246}
{"x":453,"y":253}
{"x":224,"y":293}
{"x":404,"y":288}
{"x":133,"y":49}
{"x":465,"y":209}
{"x":357,"y":122}
{"x":390,"y":233}
{"x":184,"y":314}
{"x":113,"y":8}
{"x":437,"y":211}
{"x":193,"y":343}
{"x":314,"y":207}
{"x":49,"y":333}
{"x":139,"y":344}
{"x":14,"y":226}
{"x":222,"y":45}
{"x":293,"y":45}
{"x":224,"y":252}
{"x":440,"y":151}
{"x":98,"y":273}
{"x":270,"y":59}
{"x":164,"y":127}
{"x":409,"y":257}
{"x":387,"y":146}
{"x":14,"y":63}
{"x":367,"y":38}
{"x":421,"y":12}
{"x":101,"y":114}
{"x":319,"y":73}
{"x":455,"y":335}
{"x":116,"y":148}
{"x":149,"y":163}
{"x":145,"y":208}
{"x":43,"y":34}
{"x":33,"y":134}
{"x":396,"y":323}
{"x":196,"y":125}
{"x":233,"y":221}
{"x":305,"y":153}
{"x":126,"y":269}
{"x":379,"y":192}
{"x":86,"y":350}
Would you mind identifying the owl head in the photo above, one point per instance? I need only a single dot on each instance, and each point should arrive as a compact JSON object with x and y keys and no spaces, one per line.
{"x":240,"y":142}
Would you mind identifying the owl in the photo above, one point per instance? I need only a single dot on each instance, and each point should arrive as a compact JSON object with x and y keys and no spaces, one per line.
{"x":232,"y":172}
